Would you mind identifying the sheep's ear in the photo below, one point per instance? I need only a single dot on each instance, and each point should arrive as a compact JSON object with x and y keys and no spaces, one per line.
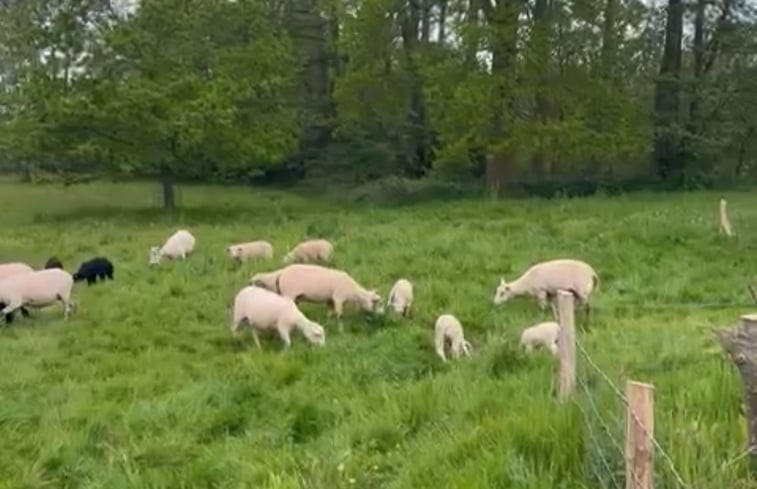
{"x":502,"y":281}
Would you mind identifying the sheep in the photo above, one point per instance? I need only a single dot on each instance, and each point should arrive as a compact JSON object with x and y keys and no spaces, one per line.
{"x":312,"y":250}
{"x":53,"y":262}
{"x":543,"y":280}
{"x":447,"y":327}
{"x":401,"y":297}
{"x":262,"y":309}
{"x":99,"y":267}
{"x":543,"y":334}
{"x":254,"y":249}
{"x":314,"y":283}
{"x":37,"y":289}
{"x":8,"y":269}
{"x":178,"y":245}
{"x":267,"y":280}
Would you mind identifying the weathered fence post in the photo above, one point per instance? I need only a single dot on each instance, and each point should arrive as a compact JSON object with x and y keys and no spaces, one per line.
{"x":725,"y":223}
{"x":639,"y":433}
{"x":741,"y":345}
{"x":566,"y":345}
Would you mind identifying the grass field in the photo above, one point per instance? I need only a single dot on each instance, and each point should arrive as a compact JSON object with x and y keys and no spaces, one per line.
{"x":143,"y":388}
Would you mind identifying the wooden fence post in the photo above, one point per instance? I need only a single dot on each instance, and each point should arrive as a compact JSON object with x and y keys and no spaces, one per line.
{"x":725,"y":223}
{"x":566,"y":345}
{"x":741,"y":345}
{"x":639,"y":433}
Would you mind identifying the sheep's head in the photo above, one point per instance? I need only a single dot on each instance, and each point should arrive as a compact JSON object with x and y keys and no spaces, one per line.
{"x":232,"y":251}
{"x":154,"y":255}
{"x":371,"y":301}
{"x":503,"y":293}
{"x":315,"y":333}
{"x":288,"y":258}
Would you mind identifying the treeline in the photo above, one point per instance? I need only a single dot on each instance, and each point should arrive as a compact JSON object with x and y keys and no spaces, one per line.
{"x":345,"y":92}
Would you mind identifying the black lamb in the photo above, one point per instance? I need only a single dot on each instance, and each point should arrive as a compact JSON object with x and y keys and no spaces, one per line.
{"x":53,"y":262}
{"x":93,"y":269}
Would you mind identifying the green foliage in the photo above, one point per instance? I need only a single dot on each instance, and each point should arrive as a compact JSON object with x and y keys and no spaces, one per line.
{"x":143,"y":387}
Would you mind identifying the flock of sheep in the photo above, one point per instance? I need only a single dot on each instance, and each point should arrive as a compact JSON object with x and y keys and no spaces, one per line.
{"x":269,"y":301}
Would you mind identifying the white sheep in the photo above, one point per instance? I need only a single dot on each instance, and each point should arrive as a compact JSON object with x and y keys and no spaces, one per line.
{"x":8,"y":269}
{"x":311,"y":250}
{"x":543,"y":280}
{"x":447,"y":327}
{"x":37,"y":289}
{"x":262,"y":309}
{"x":543,"y":334}
{"x":314,"y":283}
{"x":252,"y":250}
{"x":401,"y":297}
{"x":178,"y":245}
{"x":267,"y":280}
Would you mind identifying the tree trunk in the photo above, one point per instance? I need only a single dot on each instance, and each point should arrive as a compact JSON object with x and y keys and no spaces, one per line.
{"x":425,"y":20}
{"x":442,"y":33}
{"x":541,"y":47}
{"x":666,"y":148}
{"x":503,"y":20}
{"x":167,"y":183}
{"x":609,"y":39}
{"x":417,"y":118}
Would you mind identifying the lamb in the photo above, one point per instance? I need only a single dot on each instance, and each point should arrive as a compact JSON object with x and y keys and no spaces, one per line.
{"x":262,"y":309}
{"x":267,"y":280}
{"x":8,"y":269}
{"x":53,"y":262}
{"x":401,"y":297}
{"x":254,"y":249}
{"x":37,"y":289}
{"x":314,"y":283}
{"x":312,"y":250}
{"x":178,"y":245}
{"x":447,"y":327}
{"x":543,"y":334}
{"x":543,"y":280}
{"x":99,"y":267}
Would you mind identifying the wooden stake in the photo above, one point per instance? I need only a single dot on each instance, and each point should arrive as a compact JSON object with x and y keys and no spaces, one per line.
{"x":567,"y":345}
{"x":639,"y":433}
{"x":725,"y":223}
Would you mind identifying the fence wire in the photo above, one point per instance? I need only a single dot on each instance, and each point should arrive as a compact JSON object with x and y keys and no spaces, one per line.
{"x":597,"y":398}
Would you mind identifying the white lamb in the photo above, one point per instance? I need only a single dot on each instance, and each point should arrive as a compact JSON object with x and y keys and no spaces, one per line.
{"x":447,"y":327}
{"x":8,"y":269}
{"x":311,"y":250}
{"x":314,"y":283}
{"x":253,"y":250}
{"x":401,"y":297}
{"x":543,"y":280}
{"x":178,"y":245}
{"x":37,"y":289}
{"x":262,"y":309}
{"x":267,"y":280}
{"x":543,"y":334}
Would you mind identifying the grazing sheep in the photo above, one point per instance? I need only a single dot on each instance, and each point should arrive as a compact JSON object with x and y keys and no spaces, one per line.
{"x":262,"y":309}
{"x":37,"y":289}
{"x":543,"y":334}
{"x":99,"y":267}
{"x":543,"y":280}
{"x":447,"y":327}
{"x":312,"y":250}
{"x":8,"y":269}
{"x":401,"y":297}
{"x":254,"y":249}
{"x":53,"y":262}
{"x":178,"y":245}
{"x":267,"y":280}
{"x":314,"y":283}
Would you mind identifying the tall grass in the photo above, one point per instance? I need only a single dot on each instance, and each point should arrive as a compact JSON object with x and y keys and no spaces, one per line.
{"x":143,"y":387}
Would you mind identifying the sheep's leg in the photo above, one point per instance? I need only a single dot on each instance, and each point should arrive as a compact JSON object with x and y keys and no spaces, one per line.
{"x":284,"y":335}
{"x":110,"y":274}
{"x":255,"y":337}
{"x":12,"y":306}
{"x":406,"y":312}
{"x":24,"y":312}
{"x":466,"y":348}
{"x":338,"y":307}
{"x":439,"y":345}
